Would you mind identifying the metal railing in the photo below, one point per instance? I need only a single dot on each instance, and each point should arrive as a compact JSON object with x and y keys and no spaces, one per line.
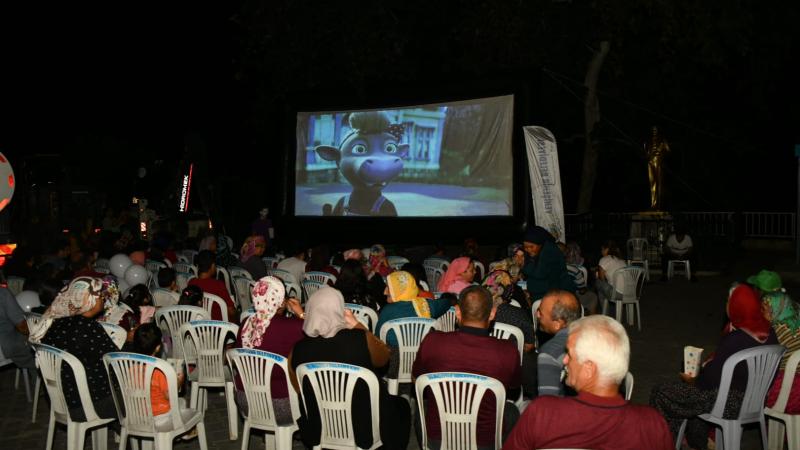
{"x":776,"y":225}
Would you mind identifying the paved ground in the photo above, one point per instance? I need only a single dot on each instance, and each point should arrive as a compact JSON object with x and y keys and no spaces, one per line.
{"x":674,"y":314}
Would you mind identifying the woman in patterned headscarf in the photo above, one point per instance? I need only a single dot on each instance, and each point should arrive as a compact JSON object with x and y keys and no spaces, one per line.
{"x":784,"y":315}
{"x":270,"y":330}
{"x":250,"y":258}
{"x":69,"y":324}
{"x":404,"y":301}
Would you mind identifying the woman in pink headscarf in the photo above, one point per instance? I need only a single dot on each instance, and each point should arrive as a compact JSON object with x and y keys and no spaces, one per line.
{"x":458,"y":276}
{"x":250,"y":259}
{"x":378,"y":263}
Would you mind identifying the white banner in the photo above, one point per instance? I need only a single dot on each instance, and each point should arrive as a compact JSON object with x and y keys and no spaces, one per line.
{"x":545,"y":176}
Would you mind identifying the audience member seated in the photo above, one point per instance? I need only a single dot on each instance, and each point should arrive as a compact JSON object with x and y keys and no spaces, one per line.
{"x":319,"y":261}
{"x":512,"y":264}
{"x":69,"y":324}
{"x":608,"y":265}
{"x":689,"y":397}
{"x":557,"y":310}
{"x":129,"y":312}
{"x":598,"y":353}
{"x":573,"y":254}
{"x":459,"y":275}
{"x":147,"y":341}
{"x":418,"y":272}
{"x":404,"y":301}
{"x":270,"y":330}
{"x":14,"y":332}
{"x":784,"y":315}
{"x":332,"y":333}
{"x":766,"y":281}
{"x":206,"y":280}
{"x":250,"y":257}
{"x":471,"y":349}
{"x":167,"y":279}
{"x":295,"y":264}
{"x":678,"y":246}
{"x":377,"y":262}
{"x":191,"y":296}
{"x":545,"y":267}
{"x":352,"y":283}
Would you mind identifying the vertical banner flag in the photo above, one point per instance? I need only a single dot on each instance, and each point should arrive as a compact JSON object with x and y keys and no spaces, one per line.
{"x":548,"y":206}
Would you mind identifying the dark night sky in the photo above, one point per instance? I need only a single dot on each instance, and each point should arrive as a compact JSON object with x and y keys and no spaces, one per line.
{"x":110,"y":90}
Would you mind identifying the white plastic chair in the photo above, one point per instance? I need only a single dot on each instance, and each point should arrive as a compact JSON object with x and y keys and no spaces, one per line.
{"x":447,"y":321}
{"x":116,"y":333}
{"x":628,"y":385}
{"x":293,"y":288}
{"x":51,"y":361}
{"x":397,"y":262}
{"x":222,"y":274}
{"x":683,"y":263}
{"x":311,"y":286}
{"x":131,"y":376}
{"x":102,"y":264}
{"x":322,"y":277}
{"x":333,"y":385}
{"x":780,"y":422}
{"x":32,"y":319}
{"x":209,"y":300}
{"x":164,"y":297}
{"x":239,"y":272}
{"x":579,"y":275}
{"x":364,"y":314}
{"x":171,"y":318}
{"x":458,"y":398}
{"x":190,"y":255}
{"x":479,"y":269}
{"x":182,"y":258}
{"x":185,"y":268}
{"x":271,"y":262}
{"x":251,"y":311}
{"x":506,"y":331}
{"x":154,"y":266}
{"x":209,"y":337}
{"x":244,"y":291}
{"x":637,"y":255}
{"x":15,"y":284}
{"x":433,"y":274}
{"x":255,"y":370}
{"x":182,"y":279}
{"x":409,"y":333}
{"x":23,"y":373}
{"x":762,"y":362}
{"x":534,"y":308}
{"x":628,"y":281}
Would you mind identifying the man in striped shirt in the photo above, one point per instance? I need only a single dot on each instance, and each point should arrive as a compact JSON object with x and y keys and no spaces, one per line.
{"x":558,"y":309}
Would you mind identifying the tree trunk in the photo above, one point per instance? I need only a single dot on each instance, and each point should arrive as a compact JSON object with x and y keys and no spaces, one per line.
{"x":591,"y":113}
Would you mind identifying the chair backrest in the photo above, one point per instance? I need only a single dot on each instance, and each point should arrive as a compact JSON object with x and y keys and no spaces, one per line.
{"x":433,"y":274}
{"x":409,"y":333}
{"x":131,"y":377}
{"x":15,"y":284}
{"x":447,"y":321}
{"x":154,"y":266}
{"x":185,"y":267}
{"x":50,"y":361}
{"x":32,"y":319}
{"x":116,"y":333}
{"x":437,"y":262}
{"x":628,"y":383}
{"x":506,"y":331}
{"x":164,"y":297}
{"x":222,"y":274}
{"x":190,"y":254}
{"x":171,"y":318}
{"x":182,"y":279}
{"x":255,"y":370}
{"x":637,"y":249}
{"x":333,"y":385}
{"x":397,"y":262}
{"x":209,"y":300}
{"x":479,"y":269}
{"x":322,"y":277}
{"x":458,"y":398}
{"x":284,"y":275}
{"x":364,"y":314}
{"x":102,"y":263}
{"x":244,"y":291}
{"x":762,"y":362}
{"x":239,"y":272}
{"x":579,"y":275}
{"x":629,"y":280}
{"x":251,"y":311}
{"x":209,"y":338}
{"x":270,"y":261}
{"x":311,"y":286}
{"x":788,"y":380}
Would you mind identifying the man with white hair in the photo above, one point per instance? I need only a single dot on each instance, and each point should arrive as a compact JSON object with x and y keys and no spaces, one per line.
{"x":599,"y":418}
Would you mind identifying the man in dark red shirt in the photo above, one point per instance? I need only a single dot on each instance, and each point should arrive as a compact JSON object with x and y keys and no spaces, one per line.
{"x":206,"y":272}
{"x":598,"y":351}
{"x":471,"y":349}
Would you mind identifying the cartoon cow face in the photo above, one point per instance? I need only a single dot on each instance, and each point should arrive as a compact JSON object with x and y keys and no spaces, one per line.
{"x":367,"y":160}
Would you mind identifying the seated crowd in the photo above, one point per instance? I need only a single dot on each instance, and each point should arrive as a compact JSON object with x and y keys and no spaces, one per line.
{"x":567,"y":370}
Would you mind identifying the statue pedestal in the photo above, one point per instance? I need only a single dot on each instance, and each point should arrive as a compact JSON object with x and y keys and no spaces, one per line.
{"x":655,"y":226}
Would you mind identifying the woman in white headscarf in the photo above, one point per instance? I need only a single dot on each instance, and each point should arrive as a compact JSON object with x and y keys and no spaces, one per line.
{"x":334,"y":334}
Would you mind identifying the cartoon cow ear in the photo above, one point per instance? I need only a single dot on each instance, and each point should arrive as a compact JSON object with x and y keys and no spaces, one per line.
{"x":402,"y":150}
{"x":328,"y":153}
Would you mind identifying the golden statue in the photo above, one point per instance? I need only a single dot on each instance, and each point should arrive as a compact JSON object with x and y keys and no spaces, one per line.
{"x":656,"y":149}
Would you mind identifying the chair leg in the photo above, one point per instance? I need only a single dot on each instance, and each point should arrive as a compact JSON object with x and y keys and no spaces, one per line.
{"x":393,"y":386}
{"x":16,"y":379}
{"x":100,"y":438}
{"x":775,"y":432}
{"x":233,"y":421}
{"x":51,"y":428}
{"x":763,"y":425}
{"x":619,"y":306}
{"x":162,"y":441}
{"x":201,"y":435}
{"x":731,"y":437}
{"x":679,"y":438}
{"x":193,"y":395}
{"x":26,"y":380}
{"x":246,"y":434}
{"x":36,"y":388}
{"x":792,"y":435}
{"x":76,"y":436}
{"x":283,"y":438}
{"x":638,"y":314}
{"x":123,"y":438}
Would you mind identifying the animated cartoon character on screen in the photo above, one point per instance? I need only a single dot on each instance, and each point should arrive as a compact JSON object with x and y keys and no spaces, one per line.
{"x":369,"y":157}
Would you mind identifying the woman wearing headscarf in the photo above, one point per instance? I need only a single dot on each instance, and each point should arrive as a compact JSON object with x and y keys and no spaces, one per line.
{"x":250,"y":257}
{"x":136,"y":308}
{"x":352,"y":283}
{"x":459,"y":275}
{"x":378,"y":263}
{"x":689,"y":397}
{"x":545,"y":267}
{"x":784,"y":315}
{"x":270,"y":330}
{"x":334,"y":334}
{"x":69,"y":324}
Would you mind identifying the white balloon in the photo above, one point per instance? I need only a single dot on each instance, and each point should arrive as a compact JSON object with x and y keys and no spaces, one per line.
{"x":7,"y":182}
{"x":123,"y":288}
{"x":136,"y":274}
{"x":118,"y":264}
{"x":28,"y":300}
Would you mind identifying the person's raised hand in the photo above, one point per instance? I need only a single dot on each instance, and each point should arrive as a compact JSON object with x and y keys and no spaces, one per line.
{"x":350,"y":319}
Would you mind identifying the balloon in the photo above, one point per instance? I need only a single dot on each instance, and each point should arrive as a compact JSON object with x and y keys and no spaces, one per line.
{"x":118,"y":264}
{"x":136,"y":274}
{"x":7,"y":182}
{"x":123,"y":288}
{"x":28,"y":300}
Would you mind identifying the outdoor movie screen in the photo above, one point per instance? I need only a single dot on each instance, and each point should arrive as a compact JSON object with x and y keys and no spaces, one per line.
{"x":438,"y":160}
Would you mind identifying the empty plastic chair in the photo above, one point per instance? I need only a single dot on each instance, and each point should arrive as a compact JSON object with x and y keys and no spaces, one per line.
{"x":255,"y":368}
{"x":364,"y":314}
{"x":131,"y":377}
{"x":51,"y":361}
{"x":629,"y":281}
{"x":447,"y":321}
{"x":780,"y":422}
{"x":409,"y":333}
{"x":762,"y":362}
{"x":457,"y":397}
{"x":116,"y":333}
{"x":332,"y":385}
